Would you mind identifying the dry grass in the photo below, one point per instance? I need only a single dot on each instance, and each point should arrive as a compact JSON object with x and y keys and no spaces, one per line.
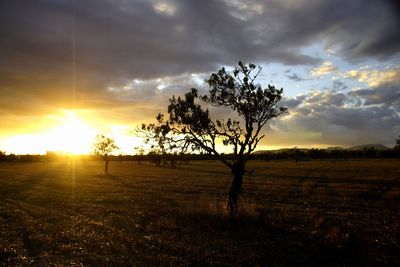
{"x":331,"y":213}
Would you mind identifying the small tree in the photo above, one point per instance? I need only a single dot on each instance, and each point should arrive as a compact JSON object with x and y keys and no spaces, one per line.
{"x":397,"y":145}
{"x":296,"y":154}
{"x":139,"y":154}
{"x":254,"y":106}
{"x":2,"y":155}
{"x":103,"y":147}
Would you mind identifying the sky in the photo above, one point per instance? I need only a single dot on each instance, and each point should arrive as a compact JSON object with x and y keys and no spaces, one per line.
{"x":72,"y":69}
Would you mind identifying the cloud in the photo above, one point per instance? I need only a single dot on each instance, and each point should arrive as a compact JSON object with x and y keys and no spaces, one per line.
{"x":156,"y":92}
{"x":353,"y":40}
{"x":338,"y":85}
{"x":383,"y":86}
{"x":375,"y":78}
{"x":164,"y":8}
{"x":324,"y":69}
{"x":386,"y":94}
{"x":295,"y":77}
{"x":329,"y":117}
{"x":340,"y":24}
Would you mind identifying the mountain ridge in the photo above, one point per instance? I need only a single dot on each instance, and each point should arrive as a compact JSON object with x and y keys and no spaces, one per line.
{"x":379,"y":147}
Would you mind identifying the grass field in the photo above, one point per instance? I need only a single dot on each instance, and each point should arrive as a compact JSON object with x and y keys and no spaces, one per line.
{"x":318,"y":213}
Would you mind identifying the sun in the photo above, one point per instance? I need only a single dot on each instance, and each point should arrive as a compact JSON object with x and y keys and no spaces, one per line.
{"x":71,"y":132}
{"x":73,"y":136}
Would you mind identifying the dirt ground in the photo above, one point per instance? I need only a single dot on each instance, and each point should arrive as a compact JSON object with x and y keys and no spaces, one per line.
{"x":314,"y":213}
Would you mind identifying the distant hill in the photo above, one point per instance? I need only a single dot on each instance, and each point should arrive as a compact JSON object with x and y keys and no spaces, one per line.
{"x":359,"y":147}
{"x":375,"y":146}
{"x":259,"y":152}
{"x":268,"y":151}
{"x":279,"y":150}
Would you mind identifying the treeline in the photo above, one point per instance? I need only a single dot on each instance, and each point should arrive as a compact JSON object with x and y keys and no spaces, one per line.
{"x":22,"y":158}
{"x":158,"y":159}
{"x":169,"y":159}
{"x":289,"y":154}
{"x":177,"y":159}
{"x":320,"y":154}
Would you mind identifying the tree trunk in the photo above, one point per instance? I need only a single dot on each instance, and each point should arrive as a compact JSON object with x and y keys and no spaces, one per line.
{"x":236,"y":188}
{"x":106,"y":166}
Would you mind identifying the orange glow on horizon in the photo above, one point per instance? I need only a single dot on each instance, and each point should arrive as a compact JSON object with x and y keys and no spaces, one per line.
{"x":71,"y":134}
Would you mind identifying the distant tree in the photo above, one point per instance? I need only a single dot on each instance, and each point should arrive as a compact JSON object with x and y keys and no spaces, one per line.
{"x":296,"y":154}
{"x":397,"y":145}
{"x":103,"y":147}
{"x":191,"y":125}
{"x":161,"y":139}
{"x":139,"y":154}
{"x":3,"y":155}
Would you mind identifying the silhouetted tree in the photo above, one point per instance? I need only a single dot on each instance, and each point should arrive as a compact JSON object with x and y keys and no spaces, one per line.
{"x":139,"y":154}
{"x":3,"y":155}
{"x":103,"y":147}
{"x":296,"y":154}
{"x":254,"y":106}
{"x":397,"y":145}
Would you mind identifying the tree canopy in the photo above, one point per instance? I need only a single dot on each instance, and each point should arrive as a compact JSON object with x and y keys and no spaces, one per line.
{"x":253,"y":105}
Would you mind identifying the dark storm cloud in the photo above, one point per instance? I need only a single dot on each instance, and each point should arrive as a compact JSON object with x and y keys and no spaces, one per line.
{"x":362,"y":116}
{"x":372,"y":32}
{"x":119,"y":39}
{"x":293,"y":102}
{"x":356,"y":29}
{"x":346,"y":126}
{"x":387,"y":93}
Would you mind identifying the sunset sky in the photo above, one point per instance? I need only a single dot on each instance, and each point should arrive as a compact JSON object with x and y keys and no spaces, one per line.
{"x":72,"y":69}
